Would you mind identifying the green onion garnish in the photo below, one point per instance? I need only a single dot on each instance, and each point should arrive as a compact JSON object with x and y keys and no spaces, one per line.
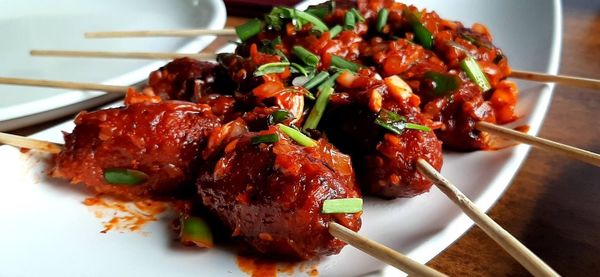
{"x":443,"y":83}
{"x":124,"y":177}
{"x":342,"y":206}
{"x":318,"y":109}
{"x":396,"y":123}
{"x":333,"y":32}
{"x":341,"y":63}
{"x":268,"y":138}
{"x":330,"y":82}
{"x":249,"y":29}
{"x":296,"y":68}
{"x":271,"y":68}
{"x":306,"y":56}
{"x":315,"y":81}
{"x":422,"y":35}
{"x":273,"y":19}
{"x":195,"y":230}
{"x":322,"y":9}
{"x":279,"y":117}
{"x":357,"y":15}
{"x":382,"y":17}
{"x":297,"y":136}
{"x":349,"y":20}
{"x":470,"y":66}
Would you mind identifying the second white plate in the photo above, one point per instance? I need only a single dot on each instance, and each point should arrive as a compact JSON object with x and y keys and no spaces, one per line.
{"x":60,"y":24}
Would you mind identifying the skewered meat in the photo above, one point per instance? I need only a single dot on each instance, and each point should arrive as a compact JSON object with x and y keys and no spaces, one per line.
{"x":163,"y":140}
{"x":270,"y":195}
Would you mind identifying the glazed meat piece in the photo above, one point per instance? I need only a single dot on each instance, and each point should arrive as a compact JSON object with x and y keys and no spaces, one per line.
{"x":270,"y":195}
{"x":184,"y":79}
{"x":385,"y":161}
{"x":162,"y":140}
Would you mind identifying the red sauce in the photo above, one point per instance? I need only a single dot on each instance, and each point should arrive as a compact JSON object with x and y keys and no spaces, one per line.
{"x":125,"y":216}
{"x":257,"y":267}
{"x":24,"y":150}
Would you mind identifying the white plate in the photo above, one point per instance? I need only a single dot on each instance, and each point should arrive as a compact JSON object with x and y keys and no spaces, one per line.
{"x":47,"y":231}
{"x":60,"y":24}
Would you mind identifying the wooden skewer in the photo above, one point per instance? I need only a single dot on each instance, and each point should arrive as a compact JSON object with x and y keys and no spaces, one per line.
{"x":516,"y":249}
{"x":559,"y":79}
{"x":381,"y":252}
{"x":30,"y":143}
{"x":525,"y":75}
{"x":161,"y":33}
{"x":122,"y":55}
{"x":370,"y":247}
{"x":573,"y":152}
{"x":62,"y":84}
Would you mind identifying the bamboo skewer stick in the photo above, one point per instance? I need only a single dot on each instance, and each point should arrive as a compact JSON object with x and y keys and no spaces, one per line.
{"x":517,"y":74}
{"x":161,"y":33}
{"x":122,"y":55}
{"x":30,"y":143}
{"x":366,"y":245}
{"x":62,"y":84}
{"x":516,"y":249}
{"x":573,"y":152}
{"x":559,"y":79}
{"x":381,"y":252}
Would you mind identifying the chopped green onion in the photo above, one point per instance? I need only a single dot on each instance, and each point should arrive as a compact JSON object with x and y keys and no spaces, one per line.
{"x":297,"y":136}
{"x":306,"y":56}
{"x":271,"y":68}
{"x":316,"y":22}
{"x":330,"y":82}
{"x":124,"y":177}
{"x":318,"y":109}
{"x":321,"y":10}
{"x":268,"y":138}
{"x":342,"y":206}
{"x":470,"y":66}
{"x":382,"y":17}
{"x":396,"y":123}
{"x":249,"y":29}
{"x":422,"y":35}
{"x":273,"y":19}
{"x":296,"y":68}
{"x":315,"y":81}
{"x":443,"y":83}
{"x":349,"y":20}
{"x":333,"y":32}
{"x":279,"y":117}
{"x":195,"y":230}
{"x":357,"y":15}
{"x":341,"y":63}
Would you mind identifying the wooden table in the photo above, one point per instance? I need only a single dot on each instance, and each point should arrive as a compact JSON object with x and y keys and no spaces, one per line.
{"x":553,"y":204}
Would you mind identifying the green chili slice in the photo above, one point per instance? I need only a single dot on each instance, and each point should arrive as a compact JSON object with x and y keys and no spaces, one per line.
{"x":268,"y":138}
{"x":279,"y":117}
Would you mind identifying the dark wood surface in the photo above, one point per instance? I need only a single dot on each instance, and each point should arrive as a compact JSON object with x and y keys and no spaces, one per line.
{"x":553,"y":204}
